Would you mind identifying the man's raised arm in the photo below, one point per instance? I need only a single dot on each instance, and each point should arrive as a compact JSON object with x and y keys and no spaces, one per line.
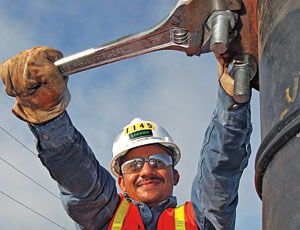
{"x":224,"y":155}
{"x":88,"y":191}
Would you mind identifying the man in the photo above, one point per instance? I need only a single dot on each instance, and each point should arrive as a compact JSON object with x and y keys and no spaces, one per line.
{"x":144,"y":157}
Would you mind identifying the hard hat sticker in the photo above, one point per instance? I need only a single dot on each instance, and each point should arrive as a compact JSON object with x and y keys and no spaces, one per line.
{"x":138,"y":127}
{"x":138,"y":134}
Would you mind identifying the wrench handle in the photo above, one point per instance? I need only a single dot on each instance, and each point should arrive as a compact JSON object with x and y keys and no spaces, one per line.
{"x":123,"y":48}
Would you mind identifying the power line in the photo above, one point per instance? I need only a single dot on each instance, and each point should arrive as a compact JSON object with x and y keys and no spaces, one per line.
{"x":3,"y":93}
{"x":25,"y":206}
{"x":30,"y":178}
{"x":8,"y":133}
{"x":7,"y":96}
{"x":21,"y":171}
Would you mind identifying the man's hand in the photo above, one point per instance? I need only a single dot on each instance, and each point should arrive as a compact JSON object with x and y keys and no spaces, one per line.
{"x":225,"y":80}
{"x":37,"y":84}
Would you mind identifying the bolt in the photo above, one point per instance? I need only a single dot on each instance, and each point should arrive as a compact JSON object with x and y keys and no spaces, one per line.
{"x":243,"y":70}
{"x":241,"y":85}
{"x":220,"y":24}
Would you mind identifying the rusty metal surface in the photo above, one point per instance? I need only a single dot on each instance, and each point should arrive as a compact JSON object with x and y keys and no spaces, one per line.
{"x":187,"y":18}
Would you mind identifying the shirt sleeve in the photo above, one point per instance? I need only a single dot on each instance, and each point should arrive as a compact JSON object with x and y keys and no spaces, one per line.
{"x":88,"y":191}
{"x":223,"y":157}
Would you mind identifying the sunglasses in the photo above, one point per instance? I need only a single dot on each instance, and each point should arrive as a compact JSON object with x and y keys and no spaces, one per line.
{"x":157,"y":161}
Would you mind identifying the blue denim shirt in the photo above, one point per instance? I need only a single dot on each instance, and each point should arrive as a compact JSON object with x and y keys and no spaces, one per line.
{"x":88,"y":191}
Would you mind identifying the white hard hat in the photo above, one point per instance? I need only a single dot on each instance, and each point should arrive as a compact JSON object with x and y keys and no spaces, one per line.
{"x":138,"y":133}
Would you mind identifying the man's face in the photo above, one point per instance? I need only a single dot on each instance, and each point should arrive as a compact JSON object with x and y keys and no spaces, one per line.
{"x":149,"y":186}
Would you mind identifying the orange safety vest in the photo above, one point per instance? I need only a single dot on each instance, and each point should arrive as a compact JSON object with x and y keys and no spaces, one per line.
{"x":127,"y":217}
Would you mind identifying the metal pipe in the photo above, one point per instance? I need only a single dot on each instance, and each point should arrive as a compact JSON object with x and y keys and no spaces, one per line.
{"x":278,"y":159}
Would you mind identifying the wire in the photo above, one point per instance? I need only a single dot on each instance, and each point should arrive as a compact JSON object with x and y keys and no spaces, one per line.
{"x":8,"y":133}
{"x":4,"y":130}
{"x":7,"y":96}
{"x":21,"y":171}
{"x":30,"y":178}
{"x":3,"y":93}
{"x":25,"y":206}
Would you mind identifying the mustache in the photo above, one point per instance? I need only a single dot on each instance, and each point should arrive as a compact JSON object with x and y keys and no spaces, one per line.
{"x":142,"y":180}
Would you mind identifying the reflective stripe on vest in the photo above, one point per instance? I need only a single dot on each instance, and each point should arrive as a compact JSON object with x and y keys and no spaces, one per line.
{"x":179,"y":218}
{"x":120,"y":215}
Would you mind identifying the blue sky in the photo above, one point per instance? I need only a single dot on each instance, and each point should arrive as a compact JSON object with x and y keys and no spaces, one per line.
{"x":176,"y":91}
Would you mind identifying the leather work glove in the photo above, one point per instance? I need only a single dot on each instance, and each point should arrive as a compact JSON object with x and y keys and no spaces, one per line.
{"x":225,"y":80}
{"x":40,"y":90}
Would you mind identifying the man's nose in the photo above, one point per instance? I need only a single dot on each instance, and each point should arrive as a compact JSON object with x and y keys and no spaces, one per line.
{"x":147,"y":170}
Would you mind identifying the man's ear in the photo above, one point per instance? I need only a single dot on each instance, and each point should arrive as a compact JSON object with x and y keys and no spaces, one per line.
{"x":121,"y":183}
{"x":176,"y":176}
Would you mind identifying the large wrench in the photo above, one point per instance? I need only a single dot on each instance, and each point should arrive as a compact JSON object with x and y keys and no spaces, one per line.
{"x":182,"y":30}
